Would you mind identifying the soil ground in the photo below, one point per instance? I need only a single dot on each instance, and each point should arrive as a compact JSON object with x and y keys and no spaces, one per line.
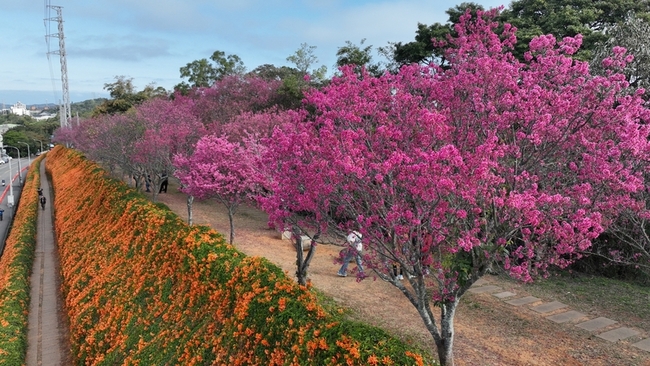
{"x":488,"y":331}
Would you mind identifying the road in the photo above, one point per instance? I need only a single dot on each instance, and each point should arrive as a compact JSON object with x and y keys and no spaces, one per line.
{"x":7,"y":201}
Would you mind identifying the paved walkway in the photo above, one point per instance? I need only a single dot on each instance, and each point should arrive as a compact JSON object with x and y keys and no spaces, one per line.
{"x":47,"y":343}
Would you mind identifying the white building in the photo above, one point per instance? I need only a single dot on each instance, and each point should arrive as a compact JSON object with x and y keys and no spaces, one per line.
{"x":19,"y":109}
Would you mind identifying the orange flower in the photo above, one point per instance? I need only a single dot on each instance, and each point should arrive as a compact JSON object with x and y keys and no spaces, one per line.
{"x":372,"y":360}
{"x":418,"y":358}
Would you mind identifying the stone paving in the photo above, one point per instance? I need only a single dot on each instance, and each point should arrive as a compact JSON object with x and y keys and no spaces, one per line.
{"x":569,"y":316}
{"x":523,"y":301}
{"x":549,"y":307}
{"x":644,"y":344}
{"x":596,"y":324}
{"x":555,"y":311}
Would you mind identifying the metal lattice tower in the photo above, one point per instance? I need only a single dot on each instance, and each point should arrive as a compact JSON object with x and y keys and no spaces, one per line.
{"x":65,"y":114}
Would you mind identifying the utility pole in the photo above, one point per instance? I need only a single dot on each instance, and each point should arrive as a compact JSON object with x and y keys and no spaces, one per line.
{"x":65,"y":114}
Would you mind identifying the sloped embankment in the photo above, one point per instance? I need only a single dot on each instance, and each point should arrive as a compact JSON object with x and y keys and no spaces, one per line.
{"x":142,"y":287}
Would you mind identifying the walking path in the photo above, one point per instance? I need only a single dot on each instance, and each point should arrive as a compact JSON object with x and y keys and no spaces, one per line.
{"x":46,"y":337}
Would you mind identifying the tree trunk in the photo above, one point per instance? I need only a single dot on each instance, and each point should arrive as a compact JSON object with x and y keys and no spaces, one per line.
{"x":302,"y":263}
{"x":301,"y":272}
{"x":190,"y":200}
{"x":445,"y":342}
{"x":155,"y":188}
{"x":443,"y":336}
{"x":231,"y":214}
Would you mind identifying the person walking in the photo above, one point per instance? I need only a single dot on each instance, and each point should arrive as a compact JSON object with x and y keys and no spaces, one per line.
{"x":163,"y":182}
{"x":400,"y":275}
{"x":40,"y":192}
{"x":2,"y":213}
{"x":354,"y":251}
{"x":43,"y":200}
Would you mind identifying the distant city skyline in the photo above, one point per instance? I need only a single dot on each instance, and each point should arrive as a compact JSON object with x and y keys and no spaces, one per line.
{"x":149,"y":41}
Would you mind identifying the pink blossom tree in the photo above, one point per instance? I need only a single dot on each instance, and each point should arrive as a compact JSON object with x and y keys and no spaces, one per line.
{"x":235,"y":106}
{"x":168,"y":128}
{"x":626,"y":241}
{"x":255,"y":125}
{"x":109,"y":139}
{"x":448,"y":172}
{"x":142,"y":142}
{"x":222,"y":170}
{"x":231,"y":96}
{"x":232,"y":156}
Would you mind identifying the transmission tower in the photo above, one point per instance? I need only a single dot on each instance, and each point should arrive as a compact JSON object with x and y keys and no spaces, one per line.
{"x":64,"y":110}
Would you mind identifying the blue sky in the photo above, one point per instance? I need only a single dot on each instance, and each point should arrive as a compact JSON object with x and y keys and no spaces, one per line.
{"x":149,"y":40}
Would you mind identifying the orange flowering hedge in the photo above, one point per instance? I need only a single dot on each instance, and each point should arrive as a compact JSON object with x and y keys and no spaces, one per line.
{"x":141,"y":287}
{"x":15,"y":268}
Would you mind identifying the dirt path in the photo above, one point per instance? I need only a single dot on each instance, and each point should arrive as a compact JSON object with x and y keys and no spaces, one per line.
{"x":488,"y":331}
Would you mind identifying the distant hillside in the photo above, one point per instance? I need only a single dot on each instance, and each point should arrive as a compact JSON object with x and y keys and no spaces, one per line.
{"x":43,"y":106}
{"x":84,"y":108}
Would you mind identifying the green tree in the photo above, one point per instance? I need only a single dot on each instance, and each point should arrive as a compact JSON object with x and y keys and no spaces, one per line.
{"x":227,"y":64}
{"x":14,"y":119}
{"x":12,"y":137}
{"x":423,"y":50}
{"x":124,"y":96}
{"x":199,"y":73}
{"x":294,"y":83}
{"x":564,"y":18}
{"x":203,"y":73}
{"x":532,"y":18}
{"x":291,"y":92}
{"x":85,"y":108}
{"x":122,"y":87}
{"x":152,"y":91}
{"x":40,"y":130}
{"x":634,"y":35}
{"x":359,"y":56}
{"x":28,"y":130}
{"x":304,"y":59}
{"x":272,"y":72}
